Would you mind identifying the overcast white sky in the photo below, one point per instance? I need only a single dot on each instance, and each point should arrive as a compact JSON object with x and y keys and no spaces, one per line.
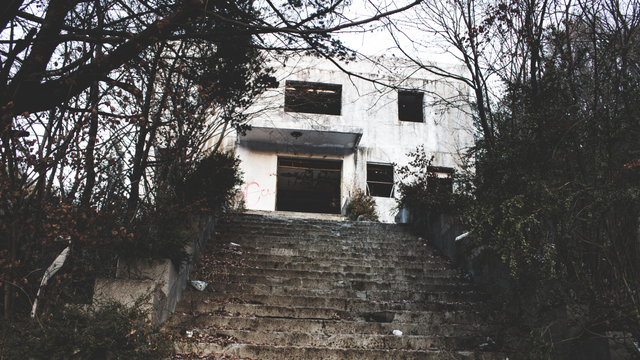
{"x":374,"y":39}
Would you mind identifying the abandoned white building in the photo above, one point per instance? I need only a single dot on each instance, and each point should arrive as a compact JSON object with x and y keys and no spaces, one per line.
{"x":324,"y":133}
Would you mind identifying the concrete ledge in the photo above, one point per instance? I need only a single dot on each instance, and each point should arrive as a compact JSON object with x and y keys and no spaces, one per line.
{"x":128,"y":292}
{"x":160,"y":273}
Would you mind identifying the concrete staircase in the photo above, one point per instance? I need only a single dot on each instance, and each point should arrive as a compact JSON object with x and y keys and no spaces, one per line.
{"x":285,"y":288}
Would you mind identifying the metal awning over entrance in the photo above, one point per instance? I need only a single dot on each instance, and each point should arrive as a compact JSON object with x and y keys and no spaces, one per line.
{"x":300,"y":141}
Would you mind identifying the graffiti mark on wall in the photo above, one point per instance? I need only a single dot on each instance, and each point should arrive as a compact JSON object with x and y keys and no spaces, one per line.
{"x":253,"y":193}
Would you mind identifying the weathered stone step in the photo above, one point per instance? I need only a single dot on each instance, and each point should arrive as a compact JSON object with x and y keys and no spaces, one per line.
{"x":345,"y":248}
{"x":373,"y":295}
{"x":336,"y":254}
{"x":341,"y":230}
{"x":327,"y":353}
{"x":326,"y":283}
{"x":366,"y":267}
{"x":261,"y":261}
{"x":249,"y":219}
{"x":324,"y":326}
{"x":261,"y":239}
{"x":349,"y":341}
{"x":313,"y":224}
{"x":191,"y":301}
{"x":389,"y":316}
{"x":437,"y":276}
{"x":318,"y":224}
{"x":292,"y":235}
{"x":344,"y":230}
{"x":333,"y":246}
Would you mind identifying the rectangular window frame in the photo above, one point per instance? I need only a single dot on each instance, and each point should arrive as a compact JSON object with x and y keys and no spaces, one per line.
{"x":312,"y":97}
{"x":411,"y":106}
{"x":440,"y":179}
{"x":380,"y":180}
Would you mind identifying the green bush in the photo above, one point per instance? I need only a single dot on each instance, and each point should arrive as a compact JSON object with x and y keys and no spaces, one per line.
{"x":362,"y":206}
{"x":212,"y":182}
{"x":161,"y":234}
{"x":164,"y":231}
{"x":109,"y":332}
{"x":421,"y":191}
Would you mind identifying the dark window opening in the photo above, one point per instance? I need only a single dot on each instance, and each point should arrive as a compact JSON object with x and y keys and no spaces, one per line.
{"x":314,"y":98}
{"x":440,"y":180}
{"x":380,"y":180}
{"x":410,"y":106}
{"x":439,"y":188}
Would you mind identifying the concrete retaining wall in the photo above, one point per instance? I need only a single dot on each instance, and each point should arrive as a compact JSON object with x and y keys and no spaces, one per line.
{"x":158,"y":280}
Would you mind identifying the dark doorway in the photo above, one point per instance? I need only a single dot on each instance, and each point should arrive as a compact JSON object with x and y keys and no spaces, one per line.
{"x":309,"y":185}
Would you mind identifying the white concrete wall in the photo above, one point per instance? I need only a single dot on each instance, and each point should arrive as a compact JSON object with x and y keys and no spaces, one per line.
{"x":368,"y":108}
{"x":348,"y":180}
{"x":259,"y":186}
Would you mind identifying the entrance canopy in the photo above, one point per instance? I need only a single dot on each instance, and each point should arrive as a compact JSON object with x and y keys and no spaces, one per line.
{"x":300,"y":141}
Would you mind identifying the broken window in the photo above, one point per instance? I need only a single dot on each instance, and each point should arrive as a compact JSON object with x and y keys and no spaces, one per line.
{"x":410,"y":106}
{"x":314,"y":98}
{"x":380,"y":180}
{"x":440,"y":180}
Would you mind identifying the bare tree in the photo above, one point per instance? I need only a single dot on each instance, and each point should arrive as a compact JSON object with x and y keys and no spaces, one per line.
{"x":495,"y":42}
{"x":559,"y":158}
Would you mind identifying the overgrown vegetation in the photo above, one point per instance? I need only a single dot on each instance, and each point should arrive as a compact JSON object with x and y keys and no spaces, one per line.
{"x":100,"y":173}
{"x":556,"y":193}
{"x":212,"y":182}
{"x":421,"y":189}
{"x":105,"y":110}
{"x":165,"y":231}
{"x":105,"y":106}
{"x":110,"y":331}
{"x":557,"y":196}
{"x":362,"y":207}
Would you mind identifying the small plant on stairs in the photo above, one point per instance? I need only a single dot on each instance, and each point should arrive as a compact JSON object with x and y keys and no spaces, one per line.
{"x":362,"y":207}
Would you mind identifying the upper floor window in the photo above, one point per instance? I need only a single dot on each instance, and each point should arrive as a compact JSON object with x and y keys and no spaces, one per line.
{"x":440,"y":180}
{"x":380,"y":180}
{"x":314,"y":98}
{"x":410,"y":106}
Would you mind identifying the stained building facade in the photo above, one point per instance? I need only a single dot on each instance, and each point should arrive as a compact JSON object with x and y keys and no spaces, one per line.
{"x":325,"y":133}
